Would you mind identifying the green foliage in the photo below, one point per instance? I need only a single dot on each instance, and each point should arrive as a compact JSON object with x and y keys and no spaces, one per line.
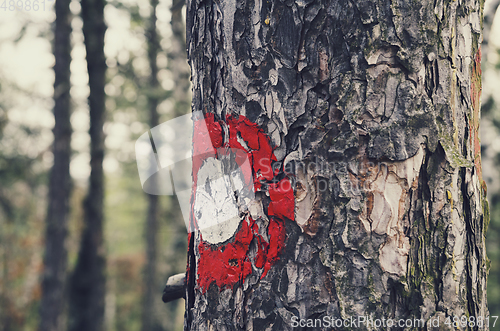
{"x":25,"y":161}
{"x":22,"y":211}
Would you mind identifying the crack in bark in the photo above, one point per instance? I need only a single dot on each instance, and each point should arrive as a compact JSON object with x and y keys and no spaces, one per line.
{"x":387,"y":76}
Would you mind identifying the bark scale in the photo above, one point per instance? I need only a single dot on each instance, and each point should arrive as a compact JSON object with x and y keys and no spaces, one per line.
{"x":371,"y":110}
{"x":56,"y":254}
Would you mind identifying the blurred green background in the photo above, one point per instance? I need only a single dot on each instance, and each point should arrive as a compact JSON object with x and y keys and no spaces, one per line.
{"x":26,"y":121}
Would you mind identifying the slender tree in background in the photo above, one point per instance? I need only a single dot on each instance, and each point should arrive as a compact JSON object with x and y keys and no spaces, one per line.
{"x":177,"y":63}
{"x":150,"y":297}
{"x":55,"y":259}
{"x":88,"y":281}
{"x":179,"y":68}
{"x":360,"y":121}
{"x":154,"y":316}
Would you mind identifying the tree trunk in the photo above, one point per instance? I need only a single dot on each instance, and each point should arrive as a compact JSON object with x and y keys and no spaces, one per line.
{"x":177,"y":61}
{"x":149,"y":321}
{"x":360,"y":122}
{"x":55,"y":259}
{"x":88,"y":283}
{"x":179,"y":68}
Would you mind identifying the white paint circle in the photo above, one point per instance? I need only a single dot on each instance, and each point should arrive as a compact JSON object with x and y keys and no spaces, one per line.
{"x":215,"y":206}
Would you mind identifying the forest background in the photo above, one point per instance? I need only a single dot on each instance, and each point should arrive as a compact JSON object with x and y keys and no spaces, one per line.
{"x":26,"y":122}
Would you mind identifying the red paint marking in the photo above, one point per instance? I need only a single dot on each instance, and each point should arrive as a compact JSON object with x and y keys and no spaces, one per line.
{"x":229,"y":264}
{"x":249,"y":131}
{"x":260,"y":153}
{"x":225,"y":265}
{"x":205,"y":143}
{"x":282,"y":203}
{"x":277,"y":235}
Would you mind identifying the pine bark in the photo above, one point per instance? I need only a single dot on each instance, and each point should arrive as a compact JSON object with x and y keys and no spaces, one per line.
{"x":372,"y":112}
{"x":55,"y":258}
{"x":88,"y":281}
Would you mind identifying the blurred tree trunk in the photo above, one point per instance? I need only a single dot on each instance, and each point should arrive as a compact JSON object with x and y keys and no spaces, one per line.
{"x":150,"y":283}
{"x":177,"y":63}
{"x":176,"y":246}
{"x":88,"y":281}
{"x":179,"y":68}
{"x":375,"y":206}
{"x":52,"y":303}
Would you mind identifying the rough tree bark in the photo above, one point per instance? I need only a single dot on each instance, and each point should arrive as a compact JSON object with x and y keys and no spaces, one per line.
{"x":88,"y":281}
{"x":370,"y":110}
{"x":56,"y":256}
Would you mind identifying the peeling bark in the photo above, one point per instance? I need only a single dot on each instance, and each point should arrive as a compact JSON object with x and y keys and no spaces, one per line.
{"x":371,"y":110}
